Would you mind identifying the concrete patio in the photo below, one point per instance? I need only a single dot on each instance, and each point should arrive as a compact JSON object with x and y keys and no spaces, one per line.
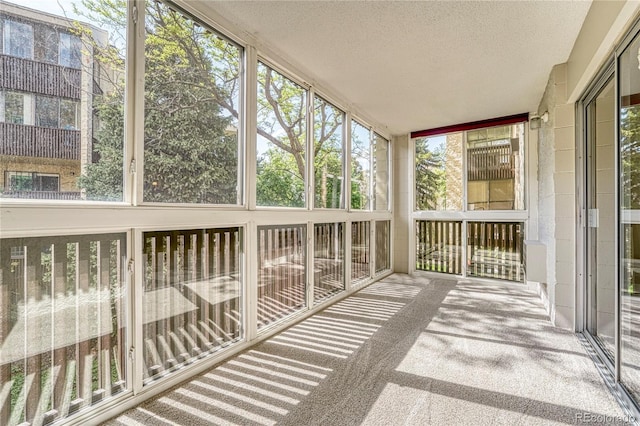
{"x":407,"y":350}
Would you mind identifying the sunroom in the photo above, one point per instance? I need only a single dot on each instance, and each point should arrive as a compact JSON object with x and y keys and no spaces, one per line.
{"x":183,"y":180}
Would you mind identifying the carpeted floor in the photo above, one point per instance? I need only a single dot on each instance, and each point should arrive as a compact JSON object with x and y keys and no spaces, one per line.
{"x":403,"y":351}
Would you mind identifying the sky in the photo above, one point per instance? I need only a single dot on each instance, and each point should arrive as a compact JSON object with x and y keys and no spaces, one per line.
{"x":56,"y":7}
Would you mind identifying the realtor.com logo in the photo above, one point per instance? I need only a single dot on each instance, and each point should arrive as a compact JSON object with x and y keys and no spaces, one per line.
{"x":604,"y":419}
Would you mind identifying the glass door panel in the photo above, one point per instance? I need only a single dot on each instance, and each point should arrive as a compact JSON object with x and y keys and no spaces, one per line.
{"x":630,"y":216}
{"x":601,"y":211}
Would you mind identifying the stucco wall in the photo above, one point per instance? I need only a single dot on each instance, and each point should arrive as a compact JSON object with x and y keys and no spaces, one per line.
{"x":402,"y":205}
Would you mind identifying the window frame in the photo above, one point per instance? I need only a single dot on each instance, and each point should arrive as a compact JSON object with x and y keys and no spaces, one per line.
{"x":33,"y":176}
{"x":7,"y":49}
{"x":344,"y":148}
{"x":308,"y":116}
{"x":464,"y":212}
{"x":25,"y":218}
{"x":133,"y":192}
{"x":67,"y":59}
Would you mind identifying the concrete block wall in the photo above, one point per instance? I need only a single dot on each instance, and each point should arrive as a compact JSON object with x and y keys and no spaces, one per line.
{"x":556,"y":195}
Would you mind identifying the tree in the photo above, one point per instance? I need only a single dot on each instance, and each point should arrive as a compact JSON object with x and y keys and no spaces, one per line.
{"x":191,"y":91}
{"x":630,"y":156}
{"x":430,"y":176}
{"x":192,"y":98}
{"x":328,"y":155}
{"x":278,"y":182}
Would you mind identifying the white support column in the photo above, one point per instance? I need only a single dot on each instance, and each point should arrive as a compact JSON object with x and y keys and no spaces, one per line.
{"x":310,"y":266}
{"x":251,"y":281}
{"x":347,"y":256}
{"x":372,"y":249}
{"x":136,"y":354}
{"x":310,"y":169}
{"x":347,"y":162}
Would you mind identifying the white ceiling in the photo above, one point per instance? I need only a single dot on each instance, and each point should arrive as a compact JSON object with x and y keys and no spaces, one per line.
{"x":422,"y":64}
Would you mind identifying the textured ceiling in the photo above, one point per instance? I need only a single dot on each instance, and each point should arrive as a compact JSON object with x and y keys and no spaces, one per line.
{"x":422,"y":64}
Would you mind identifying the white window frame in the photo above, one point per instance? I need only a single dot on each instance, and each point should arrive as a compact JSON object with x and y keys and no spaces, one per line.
{"x":25,"y":218}
{"x":465,"y":215}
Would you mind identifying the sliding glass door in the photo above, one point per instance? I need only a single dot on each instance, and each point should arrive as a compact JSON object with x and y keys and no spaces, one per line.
{"x":629,"y":134}
{"x":600,"y":262}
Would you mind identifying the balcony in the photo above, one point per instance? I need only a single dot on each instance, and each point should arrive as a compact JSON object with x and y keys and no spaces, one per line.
{"x":37,"y":77}
{"x":42,"y":195}
{"x":31,"y":141}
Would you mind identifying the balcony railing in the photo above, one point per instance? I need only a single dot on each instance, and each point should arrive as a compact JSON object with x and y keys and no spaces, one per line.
{"x":43,"y":142}
{"x":42,"y":195}
{"x":192,"y":302}
{"x":493,"y":249}
{"x":360,"y":251}
{"x":383,"y":246}
{"x":281,"y":272}
{"x":37,"y":77}
{"x":62,"y":325}
{"x":490,"y":163}
{"x":439,"y":246}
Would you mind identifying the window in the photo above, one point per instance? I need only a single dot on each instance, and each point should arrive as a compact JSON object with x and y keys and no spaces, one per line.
{"x":495,"y":168}
{"x":27,"y":181}
{"x":383,"y":245}
{"x":281,"y":147}
{"x":17,"y":107}
{"x":70,"y":50}
{"x":64,"y":324}
{"x":46,"y":44}
{"x":47,"y":111}
{"x":360,"y":251}
{"x":495,"y":250}
{"x":381,"y":172}
{"x":328,"y":260}
{"x":192,"y":298}
{"x":192,"y":103}
{"x":18,"y":39}
{"x":328,"y":153}
{"x":438,"y":175}
{"x":69,"y":114}
{"x":360,"y":167}
{"x":281,"y":272}
{"x":439,"y":246}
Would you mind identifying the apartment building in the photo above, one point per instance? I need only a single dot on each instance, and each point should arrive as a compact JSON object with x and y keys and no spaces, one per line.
{"x":49,"y":81}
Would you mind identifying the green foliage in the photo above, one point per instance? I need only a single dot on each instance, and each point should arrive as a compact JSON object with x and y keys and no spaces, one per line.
{"x":192,"y":96}
{"x":630,"y":157}
{"x":360,"y":166}
{"x":191,"y":145}
{"x":278,"y":182}
{"x":103,"y":180}
{"x":430,"y":176}
{"x":328,"y":155}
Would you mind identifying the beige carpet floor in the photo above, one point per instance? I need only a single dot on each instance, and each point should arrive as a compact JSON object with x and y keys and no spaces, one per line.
{"x":403,"y":351}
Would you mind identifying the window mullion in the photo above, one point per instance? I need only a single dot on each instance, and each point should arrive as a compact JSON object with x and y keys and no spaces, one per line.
{"x":134,"y":105}
{"x":347,"y":162}
{"x":310,"y":157}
